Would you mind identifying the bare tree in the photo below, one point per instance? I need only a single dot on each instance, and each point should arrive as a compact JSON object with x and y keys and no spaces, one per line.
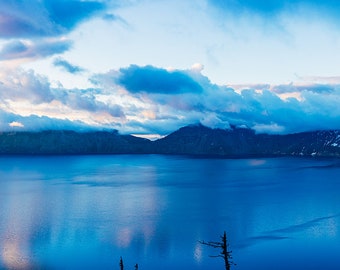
{"x":225,"y":254}
{"x":121,"y":264}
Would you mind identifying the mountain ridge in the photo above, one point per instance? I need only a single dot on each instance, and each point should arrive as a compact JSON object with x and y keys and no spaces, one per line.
{"x":245,"y":142}
{"x":188,"y":140}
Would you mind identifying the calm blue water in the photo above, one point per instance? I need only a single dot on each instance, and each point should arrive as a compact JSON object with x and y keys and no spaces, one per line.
{"x":84,"y":212}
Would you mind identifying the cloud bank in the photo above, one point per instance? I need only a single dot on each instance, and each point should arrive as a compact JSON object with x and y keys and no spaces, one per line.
{"x":152,"y":100}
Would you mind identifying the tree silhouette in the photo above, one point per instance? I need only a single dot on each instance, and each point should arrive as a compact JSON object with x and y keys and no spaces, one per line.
{"x":121,"y":264}
{"x":225,"y":254}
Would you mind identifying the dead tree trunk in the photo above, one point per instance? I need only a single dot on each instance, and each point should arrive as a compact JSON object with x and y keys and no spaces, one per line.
{"x":121,"y":264}
{"x":225,"y":254}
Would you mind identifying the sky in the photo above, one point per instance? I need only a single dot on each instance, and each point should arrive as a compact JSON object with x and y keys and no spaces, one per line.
{"x":149,"y":67}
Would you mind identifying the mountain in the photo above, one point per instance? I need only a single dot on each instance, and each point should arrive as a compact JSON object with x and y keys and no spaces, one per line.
{"x":71,"y":142}
{"x":189,"y":140}
{"x":238,"y":142}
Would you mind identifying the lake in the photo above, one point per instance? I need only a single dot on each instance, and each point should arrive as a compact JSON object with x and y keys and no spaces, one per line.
{"x":85,"y":212}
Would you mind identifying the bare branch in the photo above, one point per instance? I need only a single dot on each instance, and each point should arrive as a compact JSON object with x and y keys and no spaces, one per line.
{"x":225,"y":254}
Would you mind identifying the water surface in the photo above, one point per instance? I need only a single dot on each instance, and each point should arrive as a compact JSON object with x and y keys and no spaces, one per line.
{"x":84,"y":212}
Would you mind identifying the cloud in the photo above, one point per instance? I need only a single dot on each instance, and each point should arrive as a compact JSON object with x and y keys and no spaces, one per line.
{"x":86,"y":100}
{"x":68,"y":13}
{"x":156,"y":80}
{"x":67,"y":66}
{"x":13,"y":50}
{"x":112,"y":17}
{"x":16,"y":124}
{"x":19,"y":49}
{"x":27,"y":18}
{"x":24,"y":92}
{"x":12,"y":121}
{"x":22,"y":85}
{"x":321,"y":79}
{"x":160,"y":108}
{"x":270,"y":8}
{"x":291,"y":88}
{"x":263,"y":7}
{"x":173,"y":99}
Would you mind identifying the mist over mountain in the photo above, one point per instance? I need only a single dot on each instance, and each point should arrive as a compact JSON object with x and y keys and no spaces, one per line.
{"x":189,"y":140}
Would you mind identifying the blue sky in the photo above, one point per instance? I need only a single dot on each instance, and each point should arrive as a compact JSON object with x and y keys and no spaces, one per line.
{"x":151,"y":66}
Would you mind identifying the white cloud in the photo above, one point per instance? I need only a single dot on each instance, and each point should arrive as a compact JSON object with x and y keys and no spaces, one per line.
{"x":16,"y":124}
{"x":197,"y":67}
{"x":268,"y":128}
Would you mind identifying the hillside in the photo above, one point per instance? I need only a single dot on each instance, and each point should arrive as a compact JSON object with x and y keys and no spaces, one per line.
{"x":189,"y":140}
{"x":71,"y":142}
{"x":200,"y":140}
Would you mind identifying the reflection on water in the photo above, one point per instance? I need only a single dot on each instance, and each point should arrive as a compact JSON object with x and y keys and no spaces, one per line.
{"x":87,"y":211}
{"x":14,"y":256}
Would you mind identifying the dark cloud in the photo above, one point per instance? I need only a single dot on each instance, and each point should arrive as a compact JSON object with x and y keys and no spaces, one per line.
{"x":27,"y":18}
{"x":19,"y":49}
{"x":156,"y":80}
{"x":68,"y":13}
{"x":67,"y":66}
